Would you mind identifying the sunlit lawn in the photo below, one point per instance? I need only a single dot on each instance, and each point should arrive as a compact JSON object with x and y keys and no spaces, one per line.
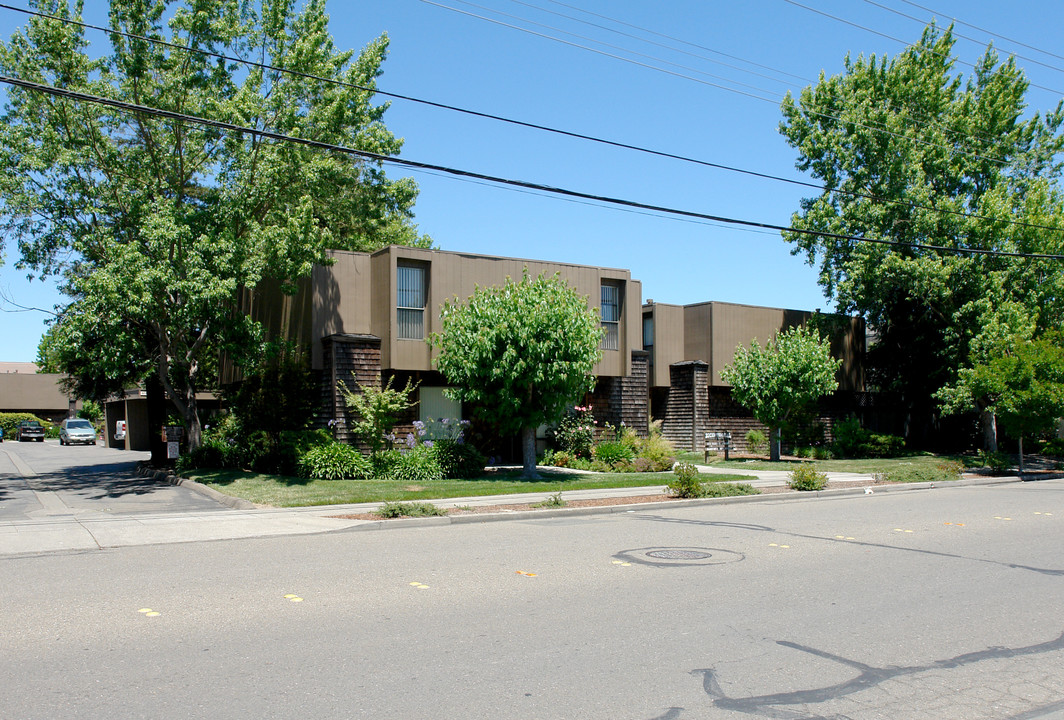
{"x":284,"y":491}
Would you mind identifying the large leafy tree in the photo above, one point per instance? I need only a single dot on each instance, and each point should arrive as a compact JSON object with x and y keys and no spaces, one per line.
{"x":154,"y":223}
{"x":521,"y":354}
{"x":779,"y":381}
{"x":913,"y":153}
{"x":1023,"y":385}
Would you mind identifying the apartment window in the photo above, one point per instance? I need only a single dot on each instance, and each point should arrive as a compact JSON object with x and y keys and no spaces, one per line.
{"x":411,"y":293}
{"x":648,"y":332}
{"x":610,"y":312}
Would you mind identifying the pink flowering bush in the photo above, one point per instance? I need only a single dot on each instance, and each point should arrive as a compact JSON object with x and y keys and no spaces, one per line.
{"x":575,"y":434}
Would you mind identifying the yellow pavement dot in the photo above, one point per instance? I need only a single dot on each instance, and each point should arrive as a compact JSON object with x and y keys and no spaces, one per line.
{"x":785,"y":546}
{"x":152,"y":614}
{"x":840,"y":537}
{"x":144,"y":610}
{"x":773,"y":545}
{"x":626,"y":564}
{"x":422,"y":587}
{"x":897,"y":529}
{"x":850,"y":538}
{"x":526,"y":574}
{"x":289,"y":596}
{"x":617,"y":562}
{"x":998,"y":517}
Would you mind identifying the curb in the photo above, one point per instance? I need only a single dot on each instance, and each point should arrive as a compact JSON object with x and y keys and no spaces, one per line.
{"x":667,"y":505}
{"x":170,"y":477}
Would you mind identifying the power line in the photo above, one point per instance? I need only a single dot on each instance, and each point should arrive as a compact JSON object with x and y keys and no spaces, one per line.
{"x":895,"y":39}
{"x":534,"y":126}
{"x":988,"y":32}
{"x":957,"y":34}
{"x":655,"y":43}
{"x":679,"y":40}
{"x":872,"y":128}
{"x":270,"y":135}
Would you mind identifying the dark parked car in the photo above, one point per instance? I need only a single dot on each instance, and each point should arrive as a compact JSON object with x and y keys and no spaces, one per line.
{"x":76,"y":430}
{"x":29,"y":430}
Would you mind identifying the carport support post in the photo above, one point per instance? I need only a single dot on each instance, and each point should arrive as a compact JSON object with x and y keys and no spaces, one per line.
{"x":156,"y":397}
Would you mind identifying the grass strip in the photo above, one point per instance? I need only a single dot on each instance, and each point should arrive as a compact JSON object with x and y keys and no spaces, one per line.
{"x":284,"y":491}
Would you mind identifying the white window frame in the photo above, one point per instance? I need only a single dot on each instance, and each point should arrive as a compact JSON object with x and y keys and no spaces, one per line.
{"x":410,"y":317}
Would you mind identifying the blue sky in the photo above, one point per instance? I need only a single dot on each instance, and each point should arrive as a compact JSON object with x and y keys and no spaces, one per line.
{"x":444,"y":56}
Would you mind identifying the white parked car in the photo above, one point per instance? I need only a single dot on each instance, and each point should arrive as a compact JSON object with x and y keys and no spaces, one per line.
{"x":76,"y":430}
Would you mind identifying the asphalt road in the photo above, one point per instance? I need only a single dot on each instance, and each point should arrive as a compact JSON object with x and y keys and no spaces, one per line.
{"x":932,"y":604}
{"x":41,"y":480}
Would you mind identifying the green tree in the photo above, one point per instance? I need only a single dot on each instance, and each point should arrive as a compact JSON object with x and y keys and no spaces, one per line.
{"x":911,"y":152}
{"x":1023,"y":386}
{"x":154,"y":223}
{"x":778,"y":382}
{"x":521,"y":354}
{"x":378,"y":410}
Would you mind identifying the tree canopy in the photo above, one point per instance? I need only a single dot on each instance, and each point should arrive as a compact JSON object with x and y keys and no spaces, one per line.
{"x":153,"y":223}
{"x":912,"y":153}
{"x":779,"y":381}
{"x":1023,"y":386}
{"x":521,"y":354}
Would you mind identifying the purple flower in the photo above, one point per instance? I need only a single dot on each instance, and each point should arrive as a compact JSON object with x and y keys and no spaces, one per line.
{"x":428,"y":443}
{"x":410,"y":440}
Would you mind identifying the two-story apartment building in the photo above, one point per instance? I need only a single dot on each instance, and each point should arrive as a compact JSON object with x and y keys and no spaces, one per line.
{"x":369,"y":314}
{"x":689,"y":345}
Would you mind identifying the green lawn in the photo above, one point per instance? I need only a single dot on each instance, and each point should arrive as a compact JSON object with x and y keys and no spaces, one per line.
{"x":282,"y":491}
{"x":862,"y":465}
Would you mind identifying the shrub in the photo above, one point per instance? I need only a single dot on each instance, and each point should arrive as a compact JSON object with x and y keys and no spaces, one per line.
{"x":756,"y":442}
{"x":821,"y":453}
{"x":334,"y":461}
{"x":51,"y":431}
{"x":719,"y":489}
{"x":805,"y":478}
{"x":996,"y":461}
{"x":215,"y":452}
{"x":293,"y":445}
{"x":611,"y":452}
{"x":409,"y":509}
{"x":851,"y":440}
{"x":803,"y":452}
{"x":458,"y":460}
{"x":940,"y":472}
{"x":10,"y":421}
{"x":415,"y":465}
{"x":1053,"y":447}
{"x":656,"y":449}
{"x":882,"y":446}
{"x":575,"y":433}
{"x":687,"y":483}
{"x":848,"y":436}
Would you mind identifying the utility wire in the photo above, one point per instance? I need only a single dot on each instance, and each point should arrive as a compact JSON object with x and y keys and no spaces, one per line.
{"x":895,"y":39}
{"x":655,"y":43}
{"x":919,"y":119}
{"x":614,"y":47}
{"x":681,"y":41}
{"x":988,"y":32}
{"x":872,"y":128}
{"x":565,"y":133}
{"x":960,"y":35}
{"x":280,"y":137}
{"x":534,"y":126}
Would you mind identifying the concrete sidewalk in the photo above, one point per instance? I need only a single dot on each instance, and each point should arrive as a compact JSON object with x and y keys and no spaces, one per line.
{"x":89,"y":530}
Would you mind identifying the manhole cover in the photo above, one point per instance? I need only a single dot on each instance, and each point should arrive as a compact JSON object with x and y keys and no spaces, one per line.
{"x":679,"y":554}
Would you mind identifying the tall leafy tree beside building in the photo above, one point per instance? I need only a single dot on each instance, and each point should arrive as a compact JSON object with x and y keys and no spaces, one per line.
{"x":912,"y":152}
{"x":779,"y":381}
{"x":153,"y":223}
{"x":520,"y":354}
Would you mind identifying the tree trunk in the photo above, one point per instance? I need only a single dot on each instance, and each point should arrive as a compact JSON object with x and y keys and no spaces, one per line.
{"x":988,"y":421}
{"x":774,"y":444}
{"x":528,"y":452}
{"x":192,"y":421}
{"x":1021,"y":453}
